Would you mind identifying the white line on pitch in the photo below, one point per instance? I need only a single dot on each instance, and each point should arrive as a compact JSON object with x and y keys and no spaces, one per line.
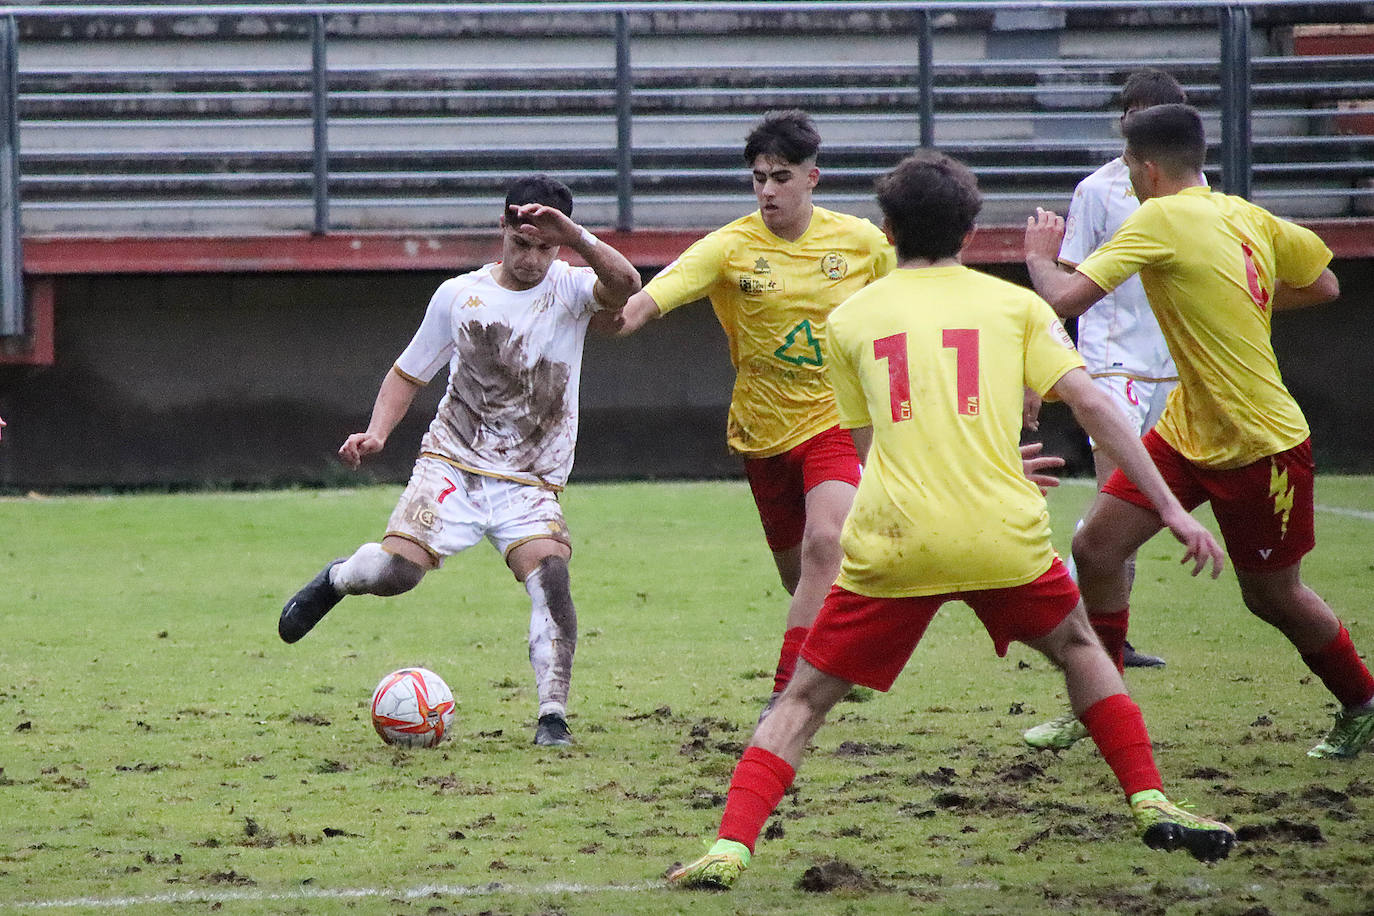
{"x":1352,"y":513}
{"x":310,"y":893}
{"x":1365,"y":514}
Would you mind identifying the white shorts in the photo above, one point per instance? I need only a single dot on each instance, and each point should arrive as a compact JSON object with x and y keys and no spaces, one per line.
{"x":446,"y":511}
{"x":1141,"y":401}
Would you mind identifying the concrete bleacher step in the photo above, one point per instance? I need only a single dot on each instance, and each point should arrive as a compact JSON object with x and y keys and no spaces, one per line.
{"x":433,"y":122}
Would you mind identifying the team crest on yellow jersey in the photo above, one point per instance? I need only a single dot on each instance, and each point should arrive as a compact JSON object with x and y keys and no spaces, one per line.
{"x":834,"y":266}
{"x":761,"y":266}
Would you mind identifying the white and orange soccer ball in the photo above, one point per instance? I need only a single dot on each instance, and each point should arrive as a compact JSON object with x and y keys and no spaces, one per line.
{"x":412,"y":707}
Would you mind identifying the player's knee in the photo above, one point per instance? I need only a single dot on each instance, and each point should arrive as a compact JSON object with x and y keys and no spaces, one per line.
{"x":553,"y":574}
{"x":1073,"y":635}
{"x":820,"y":547}
{"x":1091,"y":554}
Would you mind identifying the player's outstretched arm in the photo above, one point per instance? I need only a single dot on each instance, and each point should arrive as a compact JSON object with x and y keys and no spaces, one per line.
{"x":1103,"y":420}
{"x":393,"y":400}
{"x":1068,"y":292}
{"x":616,"y":278}
{"x":638,"y":311}
{"x":1324,"y":289}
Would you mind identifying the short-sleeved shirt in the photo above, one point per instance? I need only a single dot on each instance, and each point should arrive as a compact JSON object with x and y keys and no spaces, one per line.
{"x":936,"y":360}
{"x":515,"y":360}
{"x":773,"y":299}
{"x":1119,"y":335}
{"x":1210,"y":263}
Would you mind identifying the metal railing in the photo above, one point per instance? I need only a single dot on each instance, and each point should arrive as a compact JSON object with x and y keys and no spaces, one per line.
{"x":936,"y":98}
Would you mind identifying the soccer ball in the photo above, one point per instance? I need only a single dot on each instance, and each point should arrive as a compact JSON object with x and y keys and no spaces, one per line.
{"x":412,"y":707}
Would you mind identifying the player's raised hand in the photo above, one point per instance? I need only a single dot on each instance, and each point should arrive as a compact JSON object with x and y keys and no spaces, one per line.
{"x":544,"y":224}
{"x":1044,"y":234}
{"x":1202,"y":548}
{"x":359,"y":446}
{"x":1036,"y":466}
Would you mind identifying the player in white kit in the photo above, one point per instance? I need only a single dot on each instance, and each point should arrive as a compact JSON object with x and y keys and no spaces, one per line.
{"x":500,"y":447}
{"x":1118,"y":337}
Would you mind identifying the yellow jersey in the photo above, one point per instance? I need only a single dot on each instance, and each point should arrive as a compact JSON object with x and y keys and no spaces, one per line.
{"x":936,"y":360}
{"x":1210,"y":263}
{"x":773,"y":298}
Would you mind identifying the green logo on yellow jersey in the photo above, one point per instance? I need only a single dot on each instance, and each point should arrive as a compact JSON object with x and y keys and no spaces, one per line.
{"x":801,"y":348}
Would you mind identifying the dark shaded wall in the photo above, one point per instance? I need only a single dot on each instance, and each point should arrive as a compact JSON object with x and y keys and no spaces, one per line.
{"x":256,"y":379}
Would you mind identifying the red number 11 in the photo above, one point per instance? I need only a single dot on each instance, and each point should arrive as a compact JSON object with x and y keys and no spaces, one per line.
{"x":964,"y":343}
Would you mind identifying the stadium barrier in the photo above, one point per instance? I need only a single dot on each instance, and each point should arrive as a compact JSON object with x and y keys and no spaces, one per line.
{"x":206,"y":199}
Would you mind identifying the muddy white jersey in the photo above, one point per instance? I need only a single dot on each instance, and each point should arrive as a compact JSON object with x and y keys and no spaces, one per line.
{"x":1119,"y":335}
{"x":515,"y":360}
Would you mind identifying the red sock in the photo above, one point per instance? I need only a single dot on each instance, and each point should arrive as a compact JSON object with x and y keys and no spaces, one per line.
{"x":1118,"y":730}
{"x":758,"y":785}
{"x":787,"y":660}
{"x":1341,"y":670}
{"x":1111,"y":629}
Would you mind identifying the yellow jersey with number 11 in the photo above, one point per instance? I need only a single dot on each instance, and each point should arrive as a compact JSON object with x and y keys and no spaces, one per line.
{"x":936,"y":361}
{"x":773,"y":298}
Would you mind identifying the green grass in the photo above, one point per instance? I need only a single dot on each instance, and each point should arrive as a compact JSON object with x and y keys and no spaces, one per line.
{"x":165,"y":752}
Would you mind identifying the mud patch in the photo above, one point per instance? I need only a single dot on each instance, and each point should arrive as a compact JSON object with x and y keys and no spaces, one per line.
{"x":1281,"y":831}
{"x":862,"y":749}
{"x":1021,"y":772}
{"x":834,"y":875}
{"x":663,"y":713}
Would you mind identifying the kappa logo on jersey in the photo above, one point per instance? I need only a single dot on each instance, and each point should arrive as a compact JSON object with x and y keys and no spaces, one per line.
{"x":473,"y":302}
{"x":543,"y":303}
{"x":1281,"y":491}
{"x":834,"y":266}
{"x":801,"y":348}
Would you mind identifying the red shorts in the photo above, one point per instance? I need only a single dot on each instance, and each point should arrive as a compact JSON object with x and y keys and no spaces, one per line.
{"x":1264,"y":510}
{"x":780,"y":483}
{"x":869,"y":640}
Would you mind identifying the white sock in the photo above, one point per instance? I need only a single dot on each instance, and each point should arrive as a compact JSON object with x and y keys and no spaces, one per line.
{"x":553,"y":635}
{"x":373,"y":571}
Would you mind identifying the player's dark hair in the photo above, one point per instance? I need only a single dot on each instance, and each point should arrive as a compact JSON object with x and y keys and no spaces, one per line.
{"x":538,"y":189}
{"x":1149,"y":87}
{"x":789,"y":135}
{"x":931,"y":201}
{"x":1171,"y":136}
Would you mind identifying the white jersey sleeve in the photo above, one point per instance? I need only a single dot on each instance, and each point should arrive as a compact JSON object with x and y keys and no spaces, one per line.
{"x":432,"y":346}
{"x":576,"y":286}
{"x":1085,"y":226}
